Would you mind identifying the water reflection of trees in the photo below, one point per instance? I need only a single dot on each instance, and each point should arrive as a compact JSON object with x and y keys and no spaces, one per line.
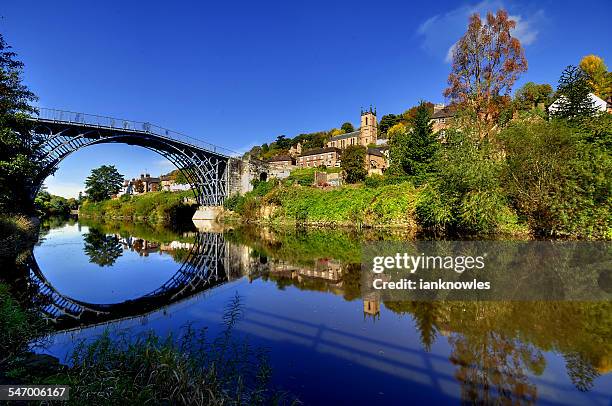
{"x":102,"y":249}
{"x":495,"y":346}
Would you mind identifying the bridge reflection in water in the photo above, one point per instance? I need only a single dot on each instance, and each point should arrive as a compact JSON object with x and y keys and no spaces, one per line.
{"x":210,"y":262}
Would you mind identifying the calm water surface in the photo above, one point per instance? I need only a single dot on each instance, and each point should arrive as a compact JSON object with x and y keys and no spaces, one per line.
{"x":302,"y":301}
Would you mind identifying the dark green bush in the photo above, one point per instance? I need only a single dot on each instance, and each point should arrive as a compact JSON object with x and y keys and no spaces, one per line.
{"x":559,"y":176}
{"x":464,"y":192}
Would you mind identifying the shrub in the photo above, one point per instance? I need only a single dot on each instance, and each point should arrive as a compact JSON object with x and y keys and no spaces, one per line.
{"x":464,"y":192}
{"x":559,"y":176}
{"x":233,"y":202}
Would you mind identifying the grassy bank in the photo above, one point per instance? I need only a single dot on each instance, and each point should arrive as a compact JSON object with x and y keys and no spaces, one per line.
{"x":154,"y":207}
{"x":382,"y":205}
{"x":17,"y":233}
{"x":389,"y":205}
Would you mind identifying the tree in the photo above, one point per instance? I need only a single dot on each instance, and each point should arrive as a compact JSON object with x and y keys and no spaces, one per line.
{"x":386,"y":122}
{"x":412,"y":111}
{"x":139,"y":186}
{"x":574,"y":102}
{"x":411,"y":152}
{"x":103,"y":182}
{"x":487,"y":61}
{"x":599,"y":77}
{"x":282,"y":142}
{"x":335,"y":131}
{"x":102,"y":249}
{"x":353,"y":163}
{"x":347,"y":127}
{"x":533,"y":95}
{"x":20,"y":154}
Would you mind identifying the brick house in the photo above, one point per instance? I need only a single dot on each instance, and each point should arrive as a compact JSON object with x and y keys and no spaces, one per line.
{"x":329,"y":157}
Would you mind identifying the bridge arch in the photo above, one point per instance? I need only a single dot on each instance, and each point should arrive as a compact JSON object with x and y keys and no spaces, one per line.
{"x":62,"y":133}
{"x":203,"y":268}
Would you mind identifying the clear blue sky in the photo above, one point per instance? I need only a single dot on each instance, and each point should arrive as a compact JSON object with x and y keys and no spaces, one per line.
{"x":241,"y":73}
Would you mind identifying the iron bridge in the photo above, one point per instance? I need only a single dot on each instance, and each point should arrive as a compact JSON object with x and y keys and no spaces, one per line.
{"x":204,"y":165}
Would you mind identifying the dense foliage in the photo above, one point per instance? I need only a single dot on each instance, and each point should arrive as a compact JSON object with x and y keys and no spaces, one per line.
{"x":411,"y":151}
{"x":353,"y":163}
{"x":559,"y":176}
{"x":51,"y":205}
{"x":19,"y":150}
{"x":153,"y":207}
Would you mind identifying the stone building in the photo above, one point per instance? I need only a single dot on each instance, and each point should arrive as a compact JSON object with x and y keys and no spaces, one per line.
{"x":281,"y":162}
{"x":366,"y":134}
{"x":442,"y":117}
{"x":329,"y":157}
{"x":376,"y":161}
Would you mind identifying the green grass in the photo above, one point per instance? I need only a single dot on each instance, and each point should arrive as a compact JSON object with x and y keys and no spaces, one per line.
{"x":347,"y":205}
{"x":17,"y":233}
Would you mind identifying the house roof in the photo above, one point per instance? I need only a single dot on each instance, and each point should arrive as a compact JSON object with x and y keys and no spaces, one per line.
{"x":375,"y":151}
{"x":316,"y":151}
{"x":344,"y":136}
{"x":448,"y":111}
{"x":280,"y":158}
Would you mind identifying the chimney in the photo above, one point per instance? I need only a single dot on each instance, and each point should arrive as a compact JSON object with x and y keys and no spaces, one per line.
{"x":438,"y":107}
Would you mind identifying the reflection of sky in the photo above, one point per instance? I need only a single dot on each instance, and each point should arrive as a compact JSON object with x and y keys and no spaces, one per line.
{"x":66,"y":266}
{"x":323,"y":349}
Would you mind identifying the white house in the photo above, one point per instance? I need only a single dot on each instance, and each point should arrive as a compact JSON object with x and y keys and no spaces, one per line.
{"x":599,"y":103}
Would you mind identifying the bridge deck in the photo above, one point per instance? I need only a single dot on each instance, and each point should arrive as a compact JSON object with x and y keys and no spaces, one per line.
{"x":137,"y":128}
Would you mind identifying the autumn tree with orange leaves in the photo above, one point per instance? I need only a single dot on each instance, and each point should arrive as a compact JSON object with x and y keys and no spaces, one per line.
{"x":487,"y":61}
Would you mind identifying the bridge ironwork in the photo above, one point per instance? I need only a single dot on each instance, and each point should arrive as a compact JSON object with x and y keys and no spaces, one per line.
{"x":204,"y":268}
{"x":204,"y":165}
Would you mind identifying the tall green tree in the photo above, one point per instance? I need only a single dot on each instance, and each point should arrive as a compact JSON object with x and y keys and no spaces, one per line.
{"x":347,"y":127}
{"x":574,"y":102}
{"x":532,"y":95}
{"x":353,"y":163}
{"x":103,"y":182}
{"x":19,"y":151}
{"x":412,"y":151}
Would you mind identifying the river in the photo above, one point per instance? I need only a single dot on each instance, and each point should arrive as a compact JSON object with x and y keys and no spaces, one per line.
{"x":302,"y":302}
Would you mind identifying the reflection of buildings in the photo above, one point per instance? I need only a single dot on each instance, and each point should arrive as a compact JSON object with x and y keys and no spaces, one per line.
{"x":371,"y":307}
{"x":326,"y":270}
{"x":145,"y":247}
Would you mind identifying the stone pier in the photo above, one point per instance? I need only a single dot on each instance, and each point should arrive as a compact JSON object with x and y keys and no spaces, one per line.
{"x":207,"y":213}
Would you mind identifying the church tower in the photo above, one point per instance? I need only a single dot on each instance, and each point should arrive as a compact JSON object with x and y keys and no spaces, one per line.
{"x":368,"y":132}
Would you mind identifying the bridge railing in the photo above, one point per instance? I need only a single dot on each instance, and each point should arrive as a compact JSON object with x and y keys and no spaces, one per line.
{"x":63,"y":116}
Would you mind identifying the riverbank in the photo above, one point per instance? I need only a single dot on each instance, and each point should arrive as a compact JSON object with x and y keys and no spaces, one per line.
{"x":397,"y":205}
{"x":154,"y":207}
{"x":191,"y":368}
{"x":17,"y":234}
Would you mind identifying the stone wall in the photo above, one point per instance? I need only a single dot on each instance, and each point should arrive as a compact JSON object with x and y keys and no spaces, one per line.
{"x":241,"y":172}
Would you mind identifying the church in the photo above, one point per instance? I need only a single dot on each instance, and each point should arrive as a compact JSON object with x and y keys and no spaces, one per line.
{"x":366,"y":134}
